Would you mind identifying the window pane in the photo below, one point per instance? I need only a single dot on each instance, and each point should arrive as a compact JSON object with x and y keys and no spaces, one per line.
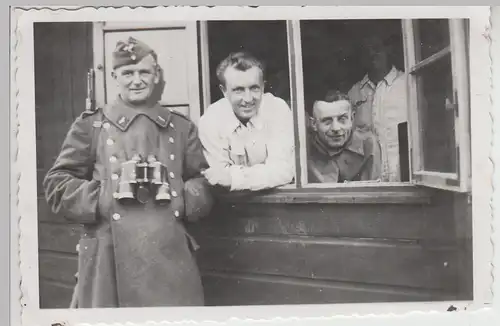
{"x":267,"y":40}
{"x":434,"y":35}
{"x":435,"y":96}
{"x":354,"y":90}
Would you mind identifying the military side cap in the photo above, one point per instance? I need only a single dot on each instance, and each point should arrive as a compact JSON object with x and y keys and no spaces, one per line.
{"x":130,"y":52}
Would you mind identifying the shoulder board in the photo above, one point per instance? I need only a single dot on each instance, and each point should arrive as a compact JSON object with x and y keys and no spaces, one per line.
{"x":179,"y":114}
{"x":90,"y":112}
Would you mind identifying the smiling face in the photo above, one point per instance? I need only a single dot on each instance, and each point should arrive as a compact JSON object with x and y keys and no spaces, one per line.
{"x":136,"y":82}
{"x":333,"y":122}
{"x":244,"y":90}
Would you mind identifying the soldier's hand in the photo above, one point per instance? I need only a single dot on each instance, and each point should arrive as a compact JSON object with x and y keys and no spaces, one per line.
{"x":194,"y":187}
{"x":218,"y":176}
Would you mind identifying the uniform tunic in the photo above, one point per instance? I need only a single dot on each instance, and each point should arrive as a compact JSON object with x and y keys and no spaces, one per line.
{"x":358,"y":160}
{"x":130,"y":255}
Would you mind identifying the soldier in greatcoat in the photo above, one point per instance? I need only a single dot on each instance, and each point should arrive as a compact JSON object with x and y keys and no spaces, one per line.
{"x":130,"y":173}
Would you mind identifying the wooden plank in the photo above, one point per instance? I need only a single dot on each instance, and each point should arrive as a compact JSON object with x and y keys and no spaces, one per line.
{"x":374,"y":262}
{"x":349,"y":193}
{"x":463,"y":230}
{"x":58,"y":267}
{"x":236,"y":289}
{"x":54,"y":295}
{"x":58,"y":237}
{"x":364,"y":221}
{"x":60,"y":97}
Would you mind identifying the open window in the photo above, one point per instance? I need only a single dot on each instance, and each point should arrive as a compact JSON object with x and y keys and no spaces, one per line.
{"x":438,"y":102}
{"x":431,"y":55}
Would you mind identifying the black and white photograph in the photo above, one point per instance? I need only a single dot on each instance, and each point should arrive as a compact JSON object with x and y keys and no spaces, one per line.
{"x":256,"y":162}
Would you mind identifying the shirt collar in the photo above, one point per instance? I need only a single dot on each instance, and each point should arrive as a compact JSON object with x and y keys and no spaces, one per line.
{"x":122,"y":115}
{"x":234,"y":123}
{"x":365,"y":81}
{"x":389,"y":78}
{"x":354,"y":144}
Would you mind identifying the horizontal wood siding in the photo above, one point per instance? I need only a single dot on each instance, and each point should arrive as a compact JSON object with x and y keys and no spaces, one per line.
{"x":242,"y":289}
{"x":63,"y":55}
{"x":370,"y":261}
{"x":330,"y":253}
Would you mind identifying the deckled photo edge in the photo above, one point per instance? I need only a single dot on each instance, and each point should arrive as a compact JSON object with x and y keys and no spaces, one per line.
{"x":25,"y":135}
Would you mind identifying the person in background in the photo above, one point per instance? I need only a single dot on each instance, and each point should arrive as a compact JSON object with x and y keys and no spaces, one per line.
{"x":338,"y":152}
{"x":381,"y":102}
{"x":130,"y":173}
{"x":247,"y":136}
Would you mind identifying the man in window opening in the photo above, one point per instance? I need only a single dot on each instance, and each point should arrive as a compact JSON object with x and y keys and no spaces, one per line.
{"x":247,"y":136}
{"x":381,"y":102}
{"x":338,"y":152}
{"x":130,"y":173}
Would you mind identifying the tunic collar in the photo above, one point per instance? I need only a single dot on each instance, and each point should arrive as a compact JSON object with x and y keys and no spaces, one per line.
{"x":122,"y":115}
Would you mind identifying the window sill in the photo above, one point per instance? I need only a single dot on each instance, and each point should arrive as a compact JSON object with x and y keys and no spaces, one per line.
{"x":346,"y":194}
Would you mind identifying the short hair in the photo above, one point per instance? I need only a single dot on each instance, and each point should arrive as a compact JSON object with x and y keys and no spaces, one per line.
{"x":239,"y":60}
{"x":334,"y":96}
{"x":331,"y":96}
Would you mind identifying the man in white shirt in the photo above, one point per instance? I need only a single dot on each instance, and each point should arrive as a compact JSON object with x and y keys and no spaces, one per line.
{"x":247,"y":136}
{"x":381,"y":103}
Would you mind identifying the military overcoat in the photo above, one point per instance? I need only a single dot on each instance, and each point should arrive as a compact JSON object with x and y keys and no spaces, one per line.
{"x":130,"y":255}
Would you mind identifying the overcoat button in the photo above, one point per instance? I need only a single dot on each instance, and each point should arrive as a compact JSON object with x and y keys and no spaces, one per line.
{"x":172,"y":157}
{"x":106,"y":125}
{"x":171,"y":125}
{"x":171,"y":140}
{"x":176,"y":213}
{"x":110,"y":142}
{"x":172,"y":175}
{"x":112,"y":159}
{"x":115,"y":195}
{"x":174,"y":193}
{"x":116,"y":216}
{"x":114,"y":176}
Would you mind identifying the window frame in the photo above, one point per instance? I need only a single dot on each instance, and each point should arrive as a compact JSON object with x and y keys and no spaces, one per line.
{"x":298,"y":107}
{"x":457,"y":50}
{"x":361,"y":191}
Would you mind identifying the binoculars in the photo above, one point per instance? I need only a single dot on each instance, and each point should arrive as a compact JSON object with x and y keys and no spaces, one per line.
{"x":141,"y":179}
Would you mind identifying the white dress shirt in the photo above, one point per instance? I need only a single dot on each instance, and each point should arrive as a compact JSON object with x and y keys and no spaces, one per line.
{"x":259,"y":155}
{"x":381,"y":108}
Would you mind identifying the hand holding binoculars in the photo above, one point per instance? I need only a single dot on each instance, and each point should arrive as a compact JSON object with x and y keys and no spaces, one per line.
{"x":141,"y":179}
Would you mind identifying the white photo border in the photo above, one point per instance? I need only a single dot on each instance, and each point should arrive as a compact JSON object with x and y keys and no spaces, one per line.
{"x":25,"y":167}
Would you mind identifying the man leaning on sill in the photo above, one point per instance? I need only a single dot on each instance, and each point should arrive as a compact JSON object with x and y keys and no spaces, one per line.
{"x":247,"y":136}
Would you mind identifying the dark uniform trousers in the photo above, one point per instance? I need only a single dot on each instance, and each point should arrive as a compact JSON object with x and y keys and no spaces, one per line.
{"x":131,"y":255}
